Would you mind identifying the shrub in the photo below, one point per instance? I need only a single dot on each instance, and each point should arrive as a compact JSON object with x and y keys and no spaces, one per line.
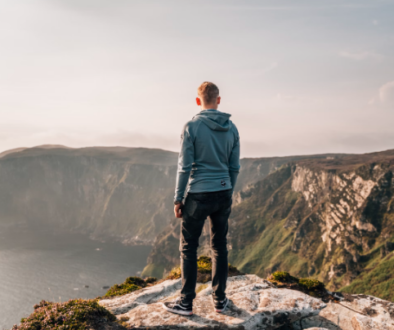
{"x":204,"y":264}
{"x":130,"y":284}
{"x":174,"y":274}
{"x":75,"y":314}
{"x":311,"y":284}
{"x":282,"y":277}
{"x":150,"y":280}
{"x":302,"y":284}
{"x":204,"y":269}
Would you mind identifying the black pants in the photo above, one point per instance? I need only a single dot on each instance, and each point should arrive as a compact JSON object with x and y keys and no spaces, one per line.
{"x":198,"y":206}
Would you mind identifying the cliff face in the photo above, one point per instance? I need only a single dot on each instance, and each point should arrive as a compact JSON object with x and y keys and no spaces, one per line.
{"x":115,"y":192}
{"x":256,"y":169}
{"x":105,"y":192}
{"x":331,"y":219}
{"x":328,"y":218}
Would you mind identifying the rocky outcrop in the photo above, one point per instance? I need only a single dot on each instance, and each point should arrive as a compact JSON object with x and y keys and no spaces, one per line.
{"x":354,"y":312}
{"x":340,"y":198}
{"x":348,"y":209}
{"x":255,"y":303}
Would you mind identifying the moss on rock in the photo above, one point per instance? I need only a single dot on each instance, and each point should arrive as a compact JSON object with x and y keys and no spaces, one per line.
{"x":75,"y":314}
{"x":204,"y":264}
{"x":204,"y":269}
{"x":309,"y":286}
{"x":174,"y":274}
{"x":283,"y":277}
{"x":129,"y":285}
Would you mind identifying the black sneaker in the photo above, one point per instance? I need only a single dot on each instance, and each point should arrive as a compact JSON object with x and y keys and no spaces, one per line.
{"x":220,"y":306}
{"x":177,"y":307}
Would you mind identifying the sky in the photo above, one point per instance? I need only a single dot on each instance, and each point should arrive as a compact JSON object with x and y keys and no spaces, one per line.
{"x":298,"y":77}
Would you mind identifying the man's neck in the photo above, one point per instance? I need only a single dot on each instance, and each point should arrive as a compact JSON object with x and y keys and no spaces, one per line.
{"x":209,"y":108}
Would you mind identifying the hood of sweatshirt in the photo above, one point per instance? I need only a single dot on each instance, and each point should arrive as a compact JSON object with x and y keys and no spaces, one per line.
{"x":215,"y":120}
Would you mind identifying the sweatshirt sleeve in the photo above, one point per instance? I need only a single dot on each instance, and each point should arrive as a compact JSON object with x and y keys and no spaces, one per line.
{"x":234,"y":164}
{"x":185,"y":163}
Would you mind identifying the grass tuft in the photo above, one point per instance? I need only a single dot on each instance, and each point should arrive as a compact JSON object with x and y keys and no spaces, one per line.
{"x":204,"y":269}
{"x":204,"y":264}
{"x":311,"y":284}
{"x":75,"y":314}
{"x":131,"y":284}
{"x":174,"y":274}
{"x":283,"y":277}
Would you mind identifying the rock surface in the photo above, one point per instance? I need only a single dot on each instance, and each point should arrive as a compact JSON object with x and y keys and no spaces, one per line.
{"x":354,"y":312}
{"x":255,"y":304}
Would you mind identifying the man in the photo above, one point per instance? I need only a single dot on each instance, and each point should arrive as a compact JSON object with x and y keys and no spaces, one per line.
{"x":209,"y":165}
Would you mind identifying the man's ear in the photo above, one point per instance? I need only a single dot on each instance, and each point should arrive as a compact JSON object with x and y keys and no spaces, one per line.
{"x":218,"y":100}
{"x":198,"y":101}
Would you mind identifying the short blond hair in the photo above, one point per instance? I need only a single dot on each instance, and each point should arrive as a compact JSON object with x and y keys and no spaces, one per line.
{"x":208,"y":92}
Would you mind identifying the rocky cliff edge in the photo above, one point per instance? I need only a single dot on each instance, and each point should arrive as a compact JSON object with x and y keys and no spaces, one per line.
{"x":256,"y":303}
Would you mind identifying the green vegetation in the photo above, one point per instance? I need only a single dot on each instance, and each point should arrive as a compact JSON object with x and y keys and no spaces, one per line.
{"x":274,"y":228}
{"x":201,"y":287}
{"x":378,"y":281}
{"x":204,"y":264}
{"x":129,"y":285}
{"x":283,"y":277}
{"x":311,"y":284}
{"x":174,"y":274}
{"x":204,"y":269}
{"x":153,"y":270}
{"x":122,"y":321}
{"x":265,"y":236}
{"x":71,"y":315}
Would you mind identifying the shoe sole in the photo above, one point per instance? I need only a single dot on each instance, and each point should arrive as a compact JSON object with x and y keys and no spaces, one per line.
{"x":184,"y":313}
{"x":224,"y":307}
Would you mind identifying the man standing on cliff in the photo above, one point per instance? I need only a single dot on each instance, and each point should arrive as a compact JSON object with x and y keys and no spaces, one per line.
{"x":208,"y":167}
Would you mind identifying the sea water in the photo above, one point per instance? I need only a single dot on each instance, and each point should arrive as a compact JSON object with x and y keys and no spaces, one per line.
{"x":58,"y":266}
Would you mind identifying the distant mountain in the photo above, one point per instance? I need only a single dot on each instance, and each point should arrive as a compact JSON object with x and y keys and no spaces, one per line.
{"x":106,"y":192}
{"x":329,"y":217}
{"x":125,"y":193}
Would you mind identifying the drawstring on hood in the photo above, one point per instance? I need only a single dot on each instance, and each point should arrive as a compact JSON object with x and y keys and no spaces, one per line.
{"x":215,"y":120}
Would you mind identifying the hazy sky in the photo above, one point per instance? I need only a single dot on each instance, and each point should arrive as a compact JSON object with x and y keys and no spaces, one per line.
{"x":299,"y":77}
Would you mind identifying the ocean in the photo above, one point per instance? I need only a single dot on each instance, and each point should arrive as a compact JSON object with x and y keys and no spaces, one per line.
{"x":58,"y":266}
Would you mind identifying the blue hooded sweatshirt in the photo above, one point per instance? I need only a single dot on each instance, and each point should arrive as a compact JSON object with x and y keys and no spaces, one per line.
{"x":209,"y":157}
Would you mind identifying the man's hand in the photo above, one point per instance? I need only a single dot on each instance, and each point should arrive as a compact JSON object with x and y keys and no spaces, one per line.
{"x":178,"y":210}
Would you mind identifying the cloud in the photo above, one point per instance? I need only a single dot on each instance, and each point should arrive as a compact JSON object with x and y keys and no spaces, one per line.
{"x":386,"y":93}
{"x":360,"y":56}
